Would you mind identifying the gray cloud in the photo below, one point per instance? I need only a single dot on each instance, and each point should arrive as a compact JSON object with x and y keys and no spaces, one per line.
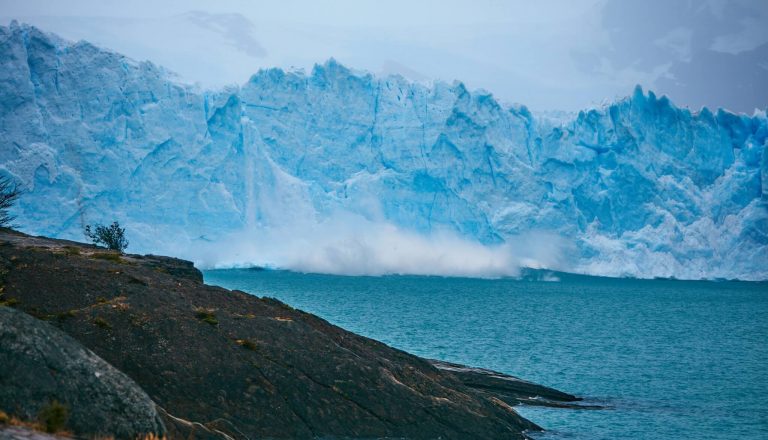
{"x":235,"y":28}
{"x":699,"y":53}
{"x":551,"y":54}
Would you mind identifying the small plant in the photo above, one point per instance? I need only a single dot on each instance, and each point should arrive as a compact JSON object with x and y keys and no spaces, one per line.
{"x":246,"y":343}
{"x":66,"y":314}
{"x":111,"y":237}
{"x":206,"y":315}
{"x":9,"y":194}
{"x":101,"y":322}
{"x":54,"y":417}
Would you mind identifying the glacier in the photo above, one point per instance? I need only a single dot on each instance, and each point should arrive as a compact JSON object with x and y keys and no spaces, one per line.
{"x":340,"y":171}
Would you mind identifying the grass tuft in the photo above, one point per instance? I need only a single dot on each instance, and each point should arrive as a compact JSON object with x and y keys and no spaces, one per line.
{"x":206,"y":315}
{"x":101,"y":322}
{"x":107,"y":256}
{"x":52,"y":419}
{"x":71,"y":250}
{"x":139,"y":320}
{"x":245,"y":316}
{"x":66,"y":314}
{"x":247,"y":343}
{"x":8,"y":302}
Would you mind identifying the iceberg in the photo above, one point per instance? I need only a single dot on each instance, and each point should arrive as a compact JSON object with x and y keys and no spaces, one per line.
{"x":344,"y":172}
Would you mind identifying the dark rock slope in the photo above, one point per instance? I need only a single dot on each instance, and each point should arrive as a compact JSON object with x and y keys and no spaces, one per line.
{"x":228,"y":363}
{"x":41,"y":365}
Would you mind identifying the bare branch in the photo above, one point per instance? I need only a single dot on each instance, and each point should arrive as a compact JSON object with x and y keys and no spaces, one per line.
{"x":9,"y":194}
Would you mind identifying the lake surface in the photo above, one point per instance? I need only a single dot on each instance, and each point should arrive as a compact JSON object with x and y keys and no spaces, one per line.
{"x":673,"y":359}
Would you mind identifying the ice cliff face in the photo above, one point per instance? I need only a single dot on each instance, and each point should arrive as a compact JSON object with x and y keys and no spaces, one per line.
{"x":639,"y":187}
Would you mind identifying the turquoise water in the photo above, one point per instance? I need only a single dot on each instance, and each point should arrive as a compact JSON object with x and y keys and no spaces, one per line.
{"x":673,"y":359}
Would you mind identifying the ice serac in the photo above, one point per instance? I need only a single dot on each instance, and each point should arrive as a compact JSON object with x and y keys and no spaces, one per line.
{"x":635,"y":188}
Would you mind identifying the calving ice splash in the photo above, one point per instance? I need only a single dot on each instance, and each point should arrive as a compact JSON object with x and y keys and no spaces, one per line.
{"x":344,"y":172}
{"x":353,"y":245}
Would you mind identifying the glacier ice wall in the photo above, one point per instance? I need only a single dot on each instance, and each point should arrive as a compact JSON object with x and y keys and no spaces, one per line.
{"x":322,"y":171}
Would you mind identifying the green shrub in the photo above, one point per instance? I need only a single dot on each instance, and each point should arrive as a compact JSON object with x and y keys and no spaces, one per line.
{"x":54,"y":417}
{"x":111,"y":237}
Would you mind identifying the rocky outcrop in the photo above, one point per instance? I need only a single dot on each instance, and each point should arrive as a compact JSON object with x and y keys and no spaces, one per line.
{"x":229,"y":364}
{"x":511,"y":389}
{"x":42,"y":365}
{"x":172,"y":266}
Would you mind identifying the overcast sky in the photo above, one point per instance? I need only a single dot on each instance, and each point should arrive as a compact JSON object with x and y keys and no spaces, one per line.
{"x":547,"y":54}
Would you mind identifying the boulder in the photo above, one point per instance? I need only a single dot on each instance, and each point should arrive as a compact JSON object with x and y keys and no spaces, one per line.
{"x":42,"y":368}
